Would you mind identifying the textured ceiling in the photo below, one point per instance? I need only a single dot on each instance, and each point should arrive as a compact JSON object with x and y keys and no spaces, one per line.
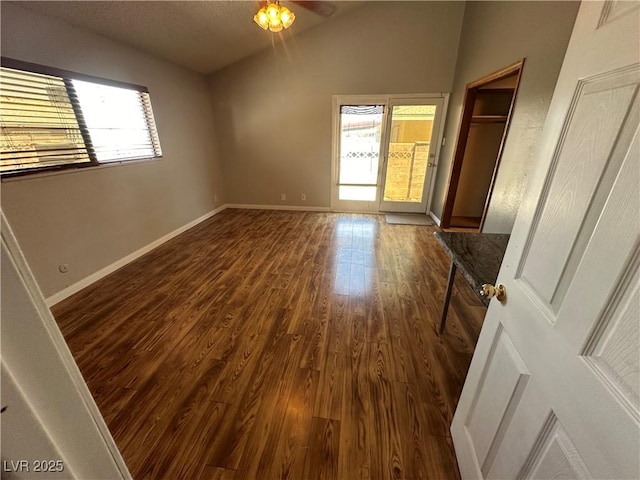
{"x":203,"y":36}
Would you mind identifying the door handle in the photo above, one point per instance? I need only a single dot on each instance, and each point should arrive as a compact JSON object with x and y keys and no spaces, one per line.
{"x":489,"y":291}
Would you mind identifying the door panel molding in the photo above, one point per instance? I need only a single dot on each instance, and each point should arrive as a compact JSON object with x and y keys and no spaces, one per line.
{"x":584,"y":187}
{"x":615,"y":9}
{"x":503,"y":384}
{"x":554,"y":456}
{"x":612,"y":348}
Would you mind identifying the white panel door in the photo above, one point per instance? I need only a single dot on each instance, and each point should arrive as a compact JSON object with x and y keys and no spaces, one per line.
{"x":553,"y":389}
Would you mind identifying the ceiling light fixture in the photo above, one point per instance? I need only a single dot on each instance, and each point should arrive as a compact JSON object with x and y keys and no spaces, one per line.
{"x":274,"y":17}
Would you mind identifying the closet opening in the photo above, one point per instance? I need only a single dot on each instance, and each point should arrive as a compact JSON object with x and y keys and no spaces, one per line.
{"x":484,"y":126}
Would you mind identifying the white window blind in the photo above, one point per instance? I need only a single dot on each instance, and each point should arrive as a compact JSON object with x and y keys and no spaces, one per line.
{"x":66,"y":120}
{"x":38,"y":126}
{"x":119,"y":121}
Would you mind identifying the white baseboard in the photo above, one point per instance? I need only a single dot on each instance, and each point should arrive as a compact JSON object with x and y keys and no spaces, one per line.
{"x":300,"y":208}
{"x":103,"y":272}
{"x":435,"y":219}
{"x":359,"y":212}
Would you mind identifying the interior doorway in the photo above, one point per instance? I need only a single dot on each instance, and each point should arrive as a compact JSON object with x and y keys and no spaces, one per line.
{"x":487,"y":109}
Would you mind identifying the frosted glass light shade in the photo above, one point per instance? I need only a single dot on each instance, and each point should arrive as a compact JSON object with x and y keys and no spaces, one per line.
{"x":274,"y":17}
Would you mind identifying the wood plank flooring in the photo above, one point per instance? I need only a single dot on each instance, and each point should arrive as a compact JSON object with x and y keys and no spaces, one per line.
{"x":279,"y":345}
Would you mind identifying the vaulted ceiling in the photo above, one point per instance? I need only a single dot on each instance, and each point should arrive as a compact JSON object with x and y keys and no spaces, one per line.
{"x":203,"y":36}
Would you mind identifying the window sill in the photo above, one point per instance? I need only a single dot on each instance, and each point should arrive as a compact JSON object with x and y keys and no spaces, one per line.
{"x":70,"y":171}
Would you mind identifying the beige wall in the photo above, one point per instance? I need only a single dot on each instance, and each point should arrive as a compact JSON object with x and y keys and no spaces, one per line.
{"x":496,"y":34}
{"x":273,"y":110}
{"x":92,"y":218}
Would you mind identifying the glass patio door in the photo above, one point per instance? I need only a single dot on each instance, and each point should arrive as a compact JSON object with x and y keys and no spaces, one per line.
{"x":384,"y":151}
{"x":357,"y":170}
{"x":409,"y":151}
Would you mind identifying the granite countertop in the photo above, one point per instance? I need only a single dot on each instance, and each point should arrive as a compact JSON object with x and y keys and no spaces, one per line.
{"x":478,"y":256}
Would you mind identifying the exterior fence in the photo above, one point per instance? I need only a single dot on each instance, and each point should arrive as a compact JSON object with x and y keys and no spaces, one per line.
{"x":406,"y":170}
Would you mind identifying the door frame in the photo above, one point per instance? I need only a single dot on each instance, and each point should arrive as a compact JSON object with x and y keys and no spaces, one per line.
{"x":64,"y":414}
{"x":356,"y":206}
{"x":470,"y":93}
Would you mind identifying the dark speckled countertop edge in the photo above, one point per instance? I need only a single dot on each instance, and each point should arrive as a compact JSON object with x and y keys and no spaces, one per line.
{"x":477,"y":256}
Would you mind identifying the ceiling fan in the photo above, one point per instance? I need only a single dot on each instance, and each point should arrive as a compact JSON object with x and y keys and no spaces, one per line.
{"x":274,"y":17}
{"x":322,"y":8}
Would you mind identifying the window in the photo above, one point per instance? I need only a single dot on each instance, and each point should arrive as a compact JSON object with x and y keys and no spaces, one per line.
{"x":54,"y":119}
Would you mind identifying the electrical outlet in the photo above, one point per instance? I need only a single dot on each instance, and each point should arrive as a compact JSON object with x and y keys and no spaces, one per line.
{"x":63,"y":268}
{"x":303,"y":197}
{"x":283,"y":196}
{"x":215,"y":198}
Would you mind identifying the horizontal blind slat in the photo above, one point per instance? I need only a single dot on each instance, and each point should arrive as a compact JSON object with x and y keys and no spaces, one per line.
{"x":29,"y":116}
{"x":5,"y":155}
{"x":16,"y":103}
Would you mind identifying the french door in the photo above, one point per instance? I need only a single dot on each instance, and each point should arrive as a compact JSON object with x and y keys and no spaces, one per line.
{"x":410,"y":149}
{"x":385,"y":151}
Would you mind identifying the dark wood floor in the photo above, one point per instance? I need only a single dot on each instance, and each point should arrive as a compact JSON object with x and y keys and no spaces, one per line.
{"x":268,"y":345}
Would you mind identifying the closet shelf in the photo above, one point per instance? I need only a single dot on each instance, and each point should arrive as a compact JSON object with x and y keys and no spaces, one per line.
{"x":488,"y":119}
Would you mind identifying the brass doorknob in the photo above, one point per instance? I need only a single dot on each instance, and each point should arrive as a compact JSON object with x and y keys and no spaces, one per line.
{"x":489,"y":291}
